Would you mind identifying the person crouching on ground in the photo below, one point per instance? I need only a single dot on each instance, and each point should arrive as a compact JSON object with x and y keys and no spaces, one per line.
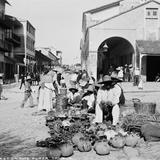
{"x":107,"y":101}
{"x":27,"y":92}
{"x":73,"y":96}
{"x":88,"y":99}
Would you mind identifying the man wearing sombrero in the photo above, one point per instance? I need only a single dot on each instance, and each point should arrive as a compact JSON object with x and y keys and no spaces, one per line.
{"x":73,"y":95}
{"x":107,"y":100}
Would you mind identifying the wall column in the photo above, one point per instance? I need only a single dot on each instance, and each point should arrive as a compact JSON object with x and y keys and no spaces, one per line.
{"x":92,"y":64}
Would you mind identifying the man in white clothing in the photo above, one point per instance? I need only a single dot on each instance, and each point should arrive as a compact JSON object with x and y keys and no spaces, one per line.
{"x":108,"y":97}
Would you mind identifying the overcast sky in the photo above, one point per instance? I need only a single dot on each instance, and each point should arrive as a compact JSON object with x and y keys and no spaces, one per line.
{"x":58,"y":23}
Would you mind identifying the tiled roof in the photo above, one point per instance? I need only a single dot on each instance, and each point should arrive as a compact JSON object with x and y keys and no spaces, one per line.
{"x":152,"y":47}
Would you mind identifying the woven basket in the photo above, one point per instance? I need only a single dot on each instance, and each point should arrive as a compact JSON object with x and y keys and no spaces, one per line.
{"x":145,"y":108}
{"x":61,"y":103}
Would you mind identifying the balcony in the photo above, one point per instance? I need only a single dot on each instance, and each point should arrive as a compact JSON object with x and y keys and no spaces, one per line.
{"x":5,"y":46}
{"x":6,"y":21}
{"x":2,"y":19}
{"x":12,"y":37}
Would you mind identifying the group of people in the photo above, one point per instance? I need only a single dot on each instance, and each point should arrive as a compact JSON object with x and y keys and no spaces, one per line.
{"x":124,"y":73}
{"x":101,"y":98}
{"x":35,"y":78}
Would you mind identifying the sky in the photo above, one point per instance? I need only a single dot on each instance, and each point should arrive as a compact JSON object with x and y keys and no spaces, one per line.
{"x":58,"y":23}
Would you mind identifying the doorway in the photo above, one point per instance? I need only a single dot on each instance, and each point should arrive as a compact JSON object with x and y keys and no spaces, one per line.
{"x":153,"y":67}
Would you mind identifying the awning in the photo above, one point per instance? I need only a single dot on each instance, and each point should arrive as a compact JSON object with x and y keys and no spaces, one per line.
{"x":148,"y":47}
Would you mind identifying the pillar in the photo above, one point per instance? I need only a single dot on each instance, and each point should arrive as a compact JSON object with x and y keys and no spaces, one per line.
{"x":92,"y":64}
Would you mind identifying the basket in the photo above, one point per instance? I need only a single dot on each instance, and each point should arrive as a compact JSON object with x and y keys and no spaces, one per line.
{"x":145,"y":108}
{"x":61,"y":103}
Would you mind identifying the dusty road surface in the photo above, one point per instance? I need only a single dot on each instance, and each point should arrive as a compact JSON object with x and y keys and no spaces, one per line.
{"x":21,"y":127}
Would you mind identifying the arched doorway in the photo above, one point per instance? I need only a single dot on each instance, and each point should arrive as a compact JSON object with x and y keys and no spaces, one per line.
{"x":114,"y":51}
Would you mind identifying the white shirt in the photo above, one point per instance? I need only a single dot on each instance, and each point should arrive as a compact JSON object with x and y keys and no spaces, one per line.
{"x":111,"y":95}
{"x":137,"y":72}
{"x":90,"y":100}
{"x":120,"y":73}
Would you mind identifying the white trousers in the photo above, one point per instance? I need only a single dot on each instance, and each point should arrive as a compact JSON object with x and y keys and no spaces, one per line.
{"x":115,"y":114}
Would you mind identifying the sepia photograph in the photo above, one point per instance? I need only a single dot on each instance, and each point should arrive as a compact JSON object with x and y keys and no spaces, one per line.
{"x":79,"y":79}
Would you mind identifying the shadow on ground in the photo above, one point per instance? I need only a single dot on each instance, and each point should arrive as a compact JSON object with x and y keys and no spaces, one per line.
{"x":14,"y":146}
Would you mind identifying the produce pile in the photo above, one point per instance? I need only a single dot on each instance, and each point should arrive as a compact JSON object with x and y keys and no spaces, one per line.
{"x":137,"y":120}
{"x":75,"y":131}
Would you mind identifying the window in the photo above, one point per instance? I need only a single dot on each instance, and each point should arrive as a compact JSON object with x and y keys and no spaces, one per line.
{"x":152,"y":13}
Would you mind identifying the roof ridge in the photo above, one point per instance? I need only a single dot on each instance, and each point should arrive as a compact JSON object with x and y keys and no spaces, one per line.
{"x":124,"y":12}
{"x":103,"y":7}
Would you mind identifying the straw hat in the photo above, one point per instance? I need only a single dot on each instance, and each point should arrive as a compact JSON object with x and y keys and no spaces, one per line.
{"x":106,"y":79}
{"x":115,"y":79}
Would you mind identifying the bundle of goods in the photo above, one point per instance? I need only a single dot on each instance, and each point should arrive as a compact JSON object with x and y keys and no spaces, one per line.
{"x":135,"y":121}
{"x":61,"y":103}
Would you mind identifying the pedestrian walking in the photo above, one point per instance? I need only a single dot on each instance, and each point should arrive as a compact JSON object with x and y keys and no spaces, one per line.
{"x":22,"y":81}
{"x":136,"y":76}
{"x":120,"y":73}
{"x":27,"y":92}
{"x":1,"y":85}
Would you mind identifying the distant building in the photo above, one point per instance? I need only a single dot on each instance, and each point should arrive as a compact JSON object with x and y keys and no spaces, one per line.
{"x":9,"y":39}
{"x":119,"y":33}
{"x":52,"y":54}
{"x":25,"y":54}
{"x":42,"y":61}
{"x":17,"y":40}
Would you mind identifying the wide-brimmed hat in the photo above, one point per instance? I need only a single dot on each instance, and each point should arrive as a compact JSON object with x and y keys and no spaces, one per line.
{"x":130,"y":65}
{"x":73,"y":88}
{"x":115,"y":79}
{"x":106,"y":79}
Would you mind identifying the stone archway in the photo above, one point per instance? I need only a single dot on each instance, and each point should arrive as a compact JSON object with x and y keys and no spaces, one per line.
{"x":119,"y":52}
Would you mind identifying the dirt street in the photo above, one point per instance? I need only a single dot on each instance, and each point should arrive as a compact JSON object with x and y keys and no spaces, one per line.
{"x":20,"y":127}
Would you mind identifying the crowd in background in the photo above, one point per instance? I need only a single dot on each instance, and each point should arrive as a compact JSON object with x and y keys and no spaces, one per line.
{"x":82,"y":90}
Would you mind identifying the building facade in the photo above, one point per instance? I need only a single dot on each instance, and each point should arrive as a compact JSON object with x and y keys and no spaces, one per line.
{"x":25,"y":53}
{"x":55,"y":59}
{"x":123,"y":32}
{"x":9,"y":39}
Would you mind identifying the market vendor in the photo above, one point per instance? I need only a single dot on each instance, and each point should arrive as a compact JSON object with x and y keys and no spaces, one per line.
{"x":108,"y":97}
{"x":73,"y":96}
{"x":88,"y":99}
